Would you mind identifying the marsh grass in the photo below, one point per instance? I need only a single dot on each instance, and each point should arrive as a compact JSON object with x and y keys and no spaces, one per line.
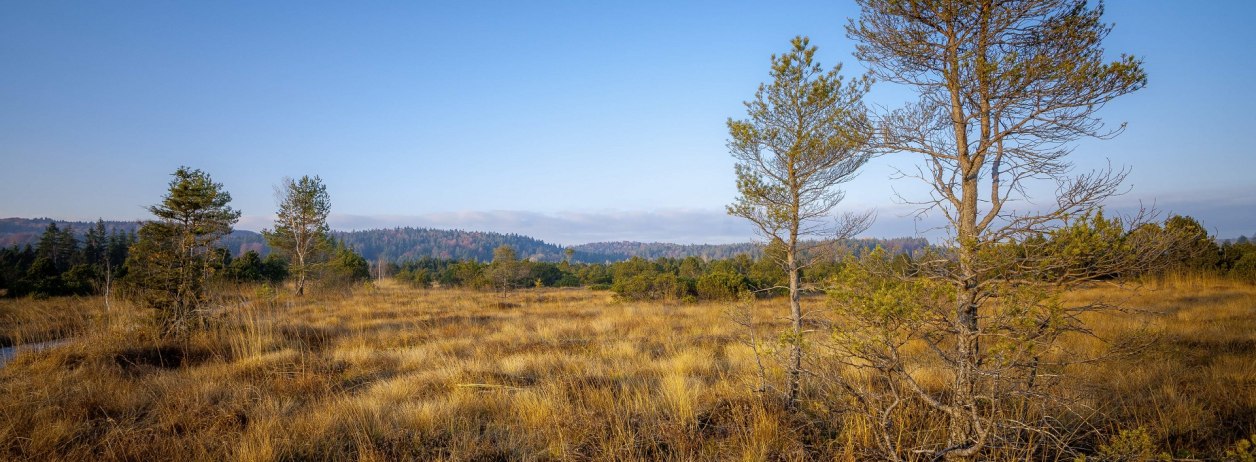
{"x":388,"y":372}
{"x":1193,"y":388}
{"x":32,"y":320}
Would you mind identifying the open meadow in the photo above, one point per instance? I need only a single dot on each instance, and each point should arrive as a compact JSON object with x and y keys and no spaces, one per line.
{"x":388,"y":372}
{"x":932,"y":230}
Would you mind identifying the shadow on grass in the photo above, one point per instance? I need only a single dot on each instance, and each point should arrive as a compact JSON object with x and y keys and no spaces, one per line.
{"x":140,"y":359}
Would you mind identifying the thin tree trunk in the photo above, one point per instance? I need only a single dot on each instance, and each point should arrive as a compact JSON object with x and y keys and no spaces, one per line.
{"x":795,"y":307}
{"x":108,"y":283}
{"x":300,"y":273}
{"x":795,"y":354}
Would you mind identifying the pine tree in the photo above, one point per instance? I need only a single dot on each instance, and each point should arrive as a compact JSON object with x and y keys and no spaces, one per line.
{"x":807,"y":132}
{"x":172,"y":259}
{"x":58,"y":246}
{"x":1004,"y":89}
{"x":94,"y":244}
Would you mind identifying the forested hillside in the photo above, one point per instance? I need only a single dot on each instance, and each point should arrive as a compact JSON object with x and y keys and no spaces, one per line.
{"x":406,"y":244}
{"x":409,"y":244}
{"x":623,"y":250}
{"x":23,"y":231}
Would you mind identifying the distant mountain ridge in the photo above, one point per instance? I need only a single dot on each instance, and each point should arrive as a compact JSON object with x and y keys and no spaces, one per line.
{"x":402,"y":244}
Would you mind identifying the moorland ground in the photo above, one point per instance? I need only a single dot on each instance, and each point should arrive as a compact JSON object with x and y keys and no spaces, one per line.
{"x":388,"y":372}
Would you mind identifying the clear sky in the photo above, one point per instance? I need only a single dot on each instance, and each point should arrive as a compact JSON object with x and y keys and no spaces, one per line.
{"x":569,"y":121}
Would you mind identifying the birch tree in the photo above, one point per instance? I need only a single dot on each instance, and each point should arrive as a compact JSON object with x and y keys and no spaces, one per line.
{"x":301,"y":225}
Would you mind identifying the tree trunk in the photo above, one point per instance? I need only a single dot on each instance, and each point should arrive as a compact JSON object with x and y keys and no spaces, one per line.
{"x":966,"y":327}
{"x":967,"y":341}
{"x":795,"y":312}
{"x":300,"y":273}
{"x":108,"y":283}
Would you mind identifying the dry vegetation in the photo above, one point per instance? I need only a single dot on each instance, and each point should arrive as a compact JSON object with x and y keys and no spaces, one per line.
{"x":1194,"y":387}
{"x":390,"y":372}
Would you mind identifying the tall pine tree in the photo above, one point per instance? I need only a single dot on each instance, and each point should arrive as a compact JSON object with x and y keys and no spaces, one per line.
{"x":172,"y":260}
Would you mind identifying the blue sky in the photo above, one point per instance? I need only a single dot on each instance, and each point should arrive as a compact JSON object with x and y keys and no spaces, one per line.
{"x":569,"y":121}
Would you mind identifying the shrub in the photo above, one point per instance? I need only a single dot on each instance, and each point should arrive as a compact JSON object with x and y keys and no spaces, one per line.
{"x":720,"y":286}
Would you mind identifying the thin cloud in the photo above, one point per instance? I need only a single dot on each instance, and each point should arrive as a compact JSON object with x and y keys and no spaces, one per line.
{"x":1227,"y":214}
{"x":680,"y":226}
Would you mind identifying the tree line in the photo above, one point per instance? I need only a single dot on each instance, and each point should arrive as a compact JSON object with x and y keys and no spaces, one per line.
{"x":623,"y":250}
{"x":406,"y":244}
{"x":666,"y":279}
{"x":173,"y":262}
{"x":403,"y":244}
{"x":685,"y":279}
{"x":61,"y":263}
{"x":697,"y":279}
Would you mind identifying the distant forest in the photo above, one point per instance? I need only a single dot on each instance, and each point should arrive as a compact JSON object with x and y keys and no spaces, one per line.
{"x":412,"y":244}
{"x":19,"y":232}
{"x":618,"y":251}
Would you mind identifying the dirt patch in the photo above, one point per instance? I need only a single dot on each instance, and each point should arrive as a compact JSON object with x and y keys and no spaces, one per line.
{"x":161,"y":357}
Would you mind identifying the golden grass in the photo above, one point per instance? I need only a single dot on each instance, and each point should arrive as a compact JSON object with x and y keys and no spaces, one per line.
{"x":30,"y":320}
{"x":394,"y":373}
{"x":1194,"y":387}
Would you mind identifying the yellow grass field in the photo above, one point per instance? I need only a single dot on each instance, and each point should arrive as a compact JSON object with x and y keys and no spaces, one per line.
{"x":395,"y":373}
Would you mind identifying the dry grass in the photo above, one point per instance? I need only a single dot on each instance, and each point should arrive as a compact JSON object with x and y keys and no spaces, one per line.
{"x":1193,"y":388}
{"x":394,"y":373}
{"x":29,"y":320}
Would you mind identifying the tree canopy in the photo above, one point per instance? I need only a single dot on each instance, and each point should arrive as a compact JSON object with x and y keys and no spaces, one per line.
{"x":169,"y":265}
{"x":301,"y":225}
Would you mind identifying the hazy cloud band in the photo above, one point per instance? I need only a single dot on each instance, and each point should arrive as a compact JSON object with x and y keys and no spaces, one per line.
{"x":1225,"y":215}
